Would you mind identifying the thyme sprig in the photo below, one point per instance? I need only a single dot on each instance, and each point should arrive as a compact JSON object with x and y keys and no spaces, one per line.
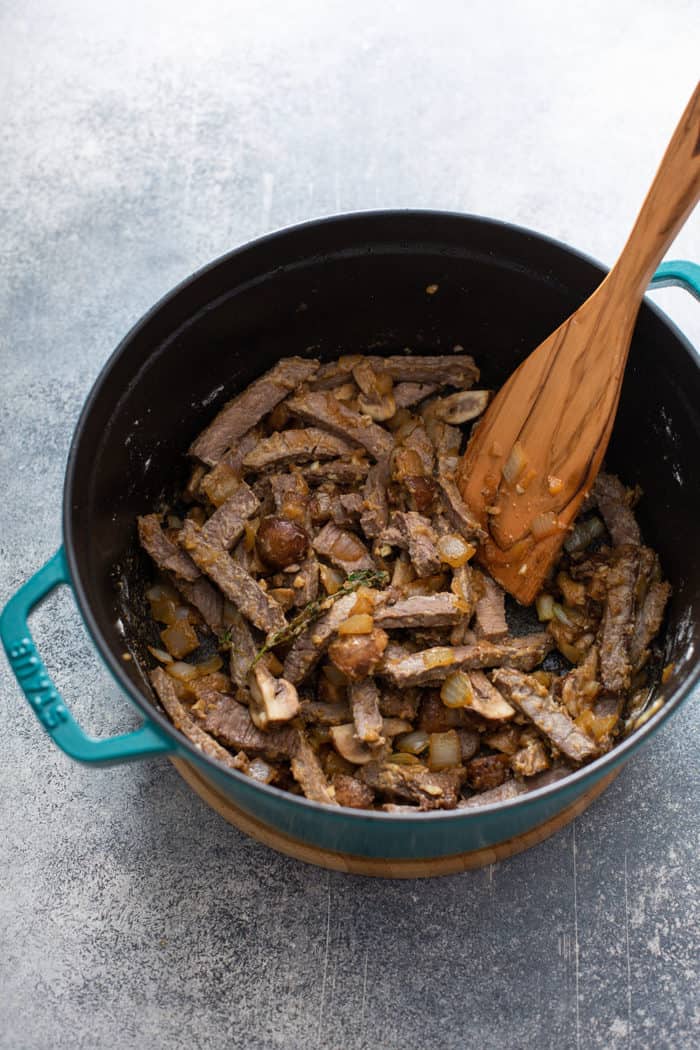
{"x":312,"y":610}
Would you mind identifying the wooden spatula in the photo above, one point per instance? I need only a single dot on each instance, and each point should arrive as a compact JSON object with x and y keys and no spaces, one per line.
{"x":537,"y":451}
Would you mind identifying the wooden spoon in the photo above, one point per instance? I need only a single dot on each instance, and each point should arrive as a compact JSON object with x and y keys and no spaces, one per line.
{"x":535,"y":455}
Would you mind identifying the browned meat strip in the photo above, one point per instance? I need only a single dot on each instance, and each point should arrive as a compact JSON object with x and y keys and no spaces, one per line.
{"x":348,"y":508}
{"x":164,"y":552}
{"x":325,"y":714}
{"x":611,"y":496}
{"x":205,"y":598}
{"x":352,"y":792}
{"x":415,"y":454}
{"x":487,"y":771}
{"x":448,"y":442}
{"x":537,"y":704}
{"x":432,"y":610}
{"x":434,"y":665}
{"x":414,"y":784}
{"x":352,"y":471}
{"x":231,"y":723}
{"x":513,"y":788}
{"x":304,"y":582}
{"x":295,"y":446}
{"x":413,"y":532}
{"x":375,"y":513}
{"x":342,"y":548}
{"x":248,"y":408}
{"x":308,"y":648}
{"x":225,"y":526}
{"x":238,"y":586}
{"x":453,"y":370}
{"x":618,"y":619}
{"x":408,"y":394}
{"x":364,"y":701}
{"x":182,"y":720}
{"x":530,"y":758}
{"x":491,"y":610}
{"x":648,"y":623}
{"x":325,"y":410}
{"x":243,"y":650}
{"x":457,"y":512}
{"x":222,"y":480}
{"x":307,"y":771}
{"x":399,"y":703}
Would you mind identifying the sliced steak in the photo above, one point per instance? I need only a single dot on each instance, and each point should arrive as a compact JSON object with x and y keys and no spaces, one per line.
{"x":415,"y":454}
{"x":375,"y":512}
{"x":399,"y":703}
{"x":325,"y":410}
{"x":413,"y":532}
{"x":308,"y":648}
{"x":295,"y":446}
{"x":183,"y":721}
{"x":348,"y":508}
{"x":325,"y":714}
{"x":342,"y":548}
{"x":244,"y":411}
{"x":648,"y":623}
{"x":434,"y":665}
{"x":222,"y":480}
{"x":231,"y":723}
{"x":617,"y":624}
{"x":308,"y":772}
{"x":491,"y":609}
{"x":349,"y":791}
{"x":225,"y":526}
{"x":242,"y":652}
{"x":348,"y":471}
{"x":454,"y":370}
{"x":612,"y":498}
{"x":166,"y":554}
{"x":364,"y":701}
{"x":414,"y":784}
{"x":304,"y":582}
{"x":238,"y":586}
{"x":208,"y":602}
{"x":408,"y":394}
{"x":433,"y":610}
{"x":513,"y":788}
{"x":457,"y":512}
{"x":534,"y":701}
{"x":487,"y":771}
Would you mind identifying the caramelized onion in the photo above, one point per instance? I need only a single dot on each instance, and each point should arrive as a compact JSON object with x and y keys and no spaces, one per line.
{"x":445,"y":750}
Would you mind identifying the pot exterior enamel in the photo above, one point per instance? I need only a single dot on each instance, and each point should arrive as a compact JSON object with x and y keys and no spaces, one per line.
{"x":345,"y":285}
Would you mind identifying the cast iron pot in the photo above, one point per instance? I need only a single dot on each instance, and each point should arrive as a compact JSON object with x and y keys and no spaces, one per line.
{"x":329,"y":287}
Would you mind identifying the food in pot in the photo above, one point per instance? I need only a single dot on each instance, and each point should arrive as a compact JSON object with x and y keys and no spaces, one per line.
{"x":320,"y":621}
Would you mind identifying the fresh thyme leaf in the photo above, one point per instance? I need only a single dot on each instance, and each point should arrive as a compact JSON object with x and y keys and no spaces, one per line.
{"x":311,"y":612}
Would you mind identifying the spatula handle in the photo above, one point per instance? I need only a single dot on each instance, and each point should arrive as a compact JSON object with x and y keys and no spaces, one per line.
{"x":674,"y":193}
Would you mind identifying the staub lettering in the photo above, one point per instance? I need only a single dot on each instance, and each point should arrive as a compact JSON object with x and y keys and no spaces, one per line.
{"x":33,"y":678}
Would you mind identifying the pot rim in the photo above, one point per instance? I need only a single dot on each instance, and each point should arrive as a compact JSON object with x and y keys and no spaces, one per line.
{"x":620,"y":753}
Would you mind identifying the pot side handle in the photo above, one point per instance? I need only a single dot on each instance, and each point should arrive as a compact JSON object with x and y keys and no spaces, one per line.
{"x":678,"y":272}
{"x":43,"y":697}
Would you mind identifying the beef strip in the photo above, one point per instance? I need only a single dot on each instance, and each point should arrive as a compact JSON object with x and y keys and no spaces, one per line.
{"x":399,"y":703}
{"x":491,"y":610}
{"x":534,"y":701}
{"x":352,"y":792}
{"x":231,"y":723}
{"x":414,"y":784}
{"x":342,"y":548}
{"x":454,"y":370}
{"x":295,"y":446}
{"x":514,"y":788}
{"x":205,"y":598}
{"x":248,"y":408}
{"x":375,"y":513}
{"x":434,"y":665}
{"x":364,"y":701}
{"x":648,"y":623}
{"x":225,"y":526}
{"x":617,"y":624}
{"x":448,"y":442}
{"x":408,"y":394}
{"x":308,"y":648}
{"x":222,"y":480}
{"x":183,"y":721}
{"x":348,"y":508}
{"x":304,"y":582}
{"x":238,"y":586}
{"x":325,"y":410}
{"x":308,"y":773}
{"x":487,"y":771}
{"x":433,"y":610}
{"x":325,"y":714}
{"x":352,"y":471}
{"x":413,"y":532}
{"x":243,"y":650}
{"x":611,"y":496}
{"x":416,"y":441}
{"x":167,"y":556}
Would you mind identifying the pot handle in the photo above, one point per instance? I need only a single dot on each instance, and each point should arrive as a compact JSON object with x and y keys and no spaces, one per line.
{"x":43,"y":697}
{"x":678,"y":272}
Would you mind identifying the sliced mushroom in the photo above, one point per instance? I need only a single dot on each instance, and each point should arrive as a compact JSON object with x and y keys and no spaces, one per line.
{"x":377,"y":398}
{"x":349,"y":747}
{"x":273,"y":700}
{"x":460,"y":407}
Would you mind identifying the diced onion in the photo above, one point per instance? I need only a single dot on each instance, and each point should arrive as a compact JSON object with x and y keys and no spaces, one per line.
{"x":180,"y":638}
{"x":364,"y":602}
{"x":258,"y":769}
{"x":454,"y":550}
{"x":439,"y":656}
{"x":403,"y":758}
{"x":457,"y":690}
{"x":584,"y":533}
{"x":214,"y":663}
{"x":515,"y":464}
{"x":161,"y":591}
{"x":570,"y":652}
{"x":413,"y":743}
{"x":561,"y":615}
{"x":445,"y":750}
{"x":164,"y":610}
{"x":362,"y":623}
{"x":347,"y":547}
{"x":179,"y":669}
{"x":543,"y":677}
{"x":545,"y":525}
{"x":160,"y":654}
{"x":545,"y":607}
{"x":331,"y":579}
{"x":554,"y":485}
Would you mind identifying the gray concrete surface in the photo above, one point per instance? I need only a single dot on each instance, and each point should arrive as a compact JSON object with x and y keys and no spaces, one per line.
{"x":140,"y":140}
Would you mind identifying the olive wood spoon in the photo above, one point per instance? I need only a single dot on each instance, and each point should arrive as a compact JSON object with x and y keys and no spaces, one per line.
{"x":535,"y":454}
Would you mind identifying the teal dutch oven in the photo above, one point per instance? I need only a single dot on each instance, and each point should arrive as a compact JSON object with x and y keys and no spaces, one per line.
{"x":332,"y":287}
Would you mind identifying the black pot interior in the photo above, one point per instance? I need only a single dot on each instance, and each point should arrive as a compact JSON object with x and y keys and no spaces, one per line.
{"x":349,"y":285}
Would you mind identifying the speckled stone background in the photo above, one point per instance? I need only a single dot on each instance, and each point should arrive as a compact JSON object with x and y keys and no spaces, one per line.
{"x":140,"y":140}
